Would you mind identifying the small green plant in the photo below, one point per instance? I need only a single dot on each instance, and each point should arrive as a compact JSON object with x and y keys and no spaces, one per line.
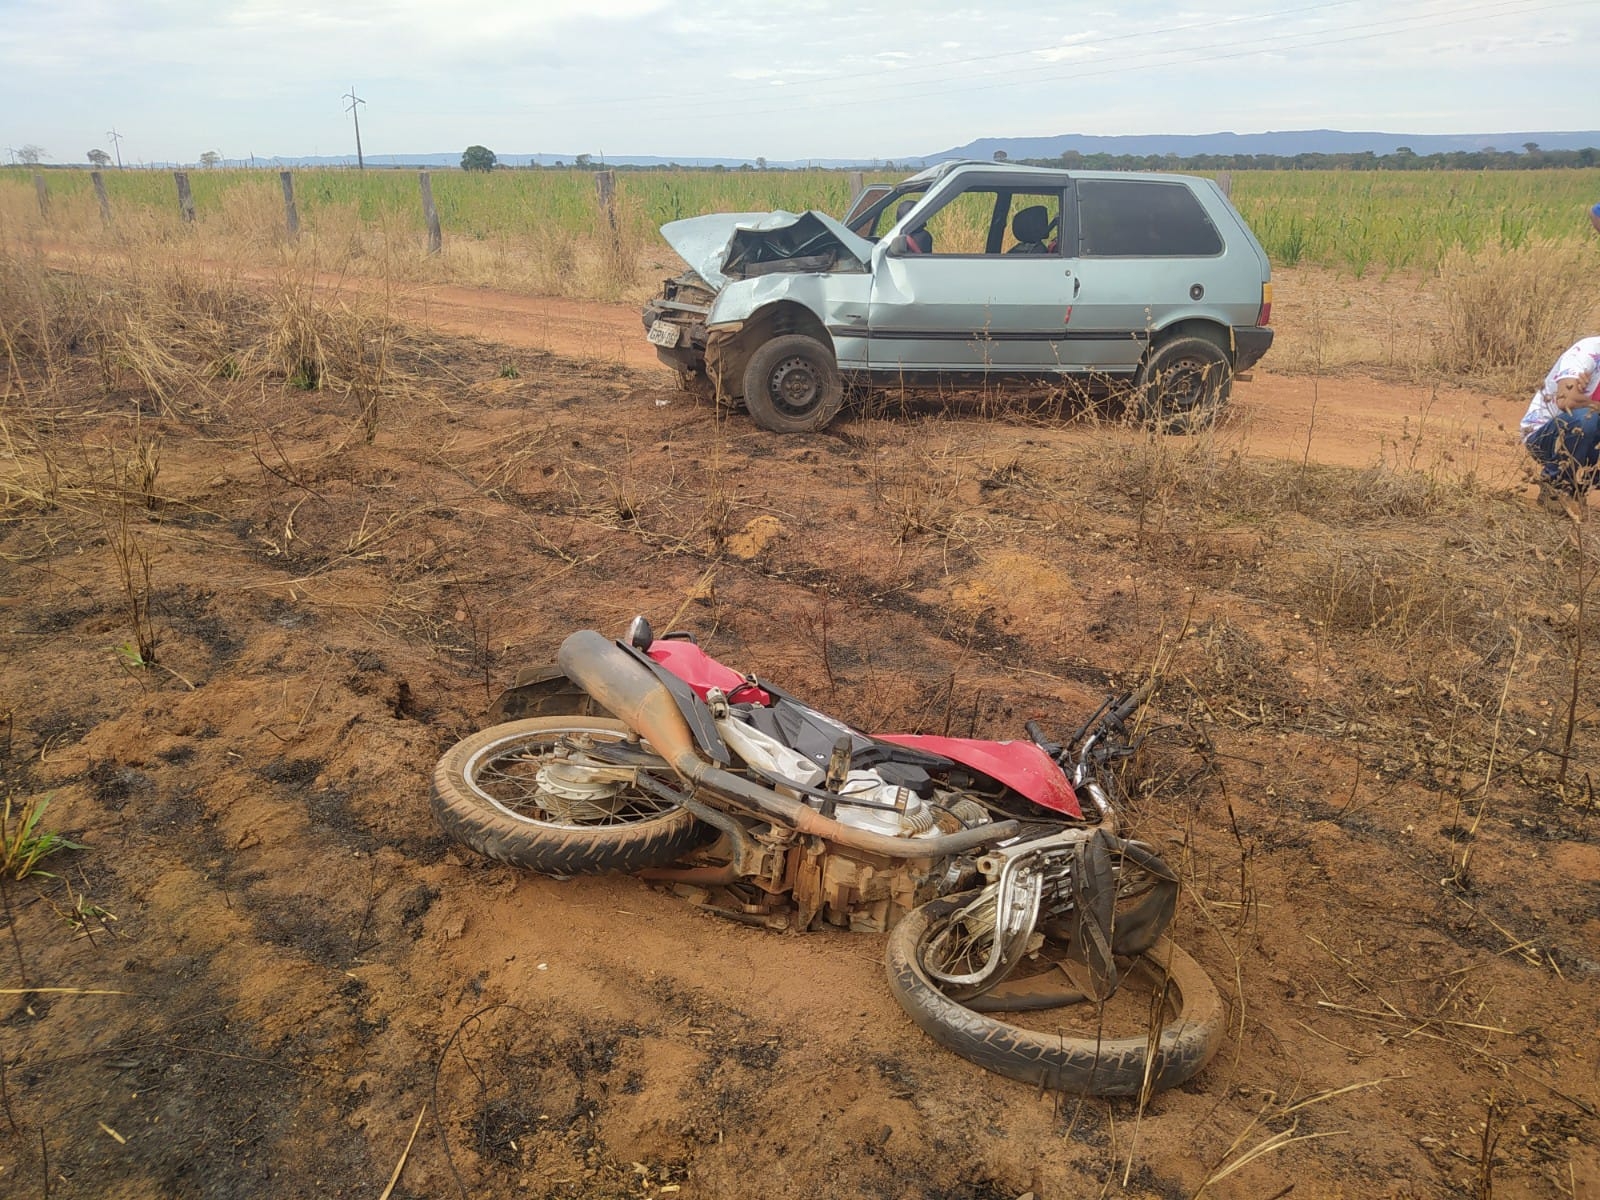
{"x":305,"y":376}
{"x":83,"y":915}
{"x":23,"y":844}
{"x":509,"y":371}
{"x":1292,"y":244}
{"x":128,"y":655}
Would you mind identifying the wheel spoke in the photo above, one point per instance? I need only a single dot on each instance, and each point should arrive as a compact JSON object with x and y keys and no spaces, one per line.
{"x":510,"y":780}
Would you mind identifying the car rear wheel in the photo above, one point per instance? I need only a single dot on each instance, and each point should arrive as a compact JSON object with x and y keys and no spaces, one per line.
{"x":1184,"y":383}
{"x":792,"y":384}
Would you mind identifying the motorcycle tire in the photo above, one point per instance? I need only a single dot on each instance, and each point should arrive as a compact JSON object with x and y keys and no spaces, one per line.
{"x":485,"y":795}
{"x":1085,"y":1061}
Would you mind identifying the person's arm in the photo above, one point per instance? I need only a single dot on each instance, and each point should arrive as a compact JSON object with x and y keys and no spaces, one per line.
{"x":1571,"y":396}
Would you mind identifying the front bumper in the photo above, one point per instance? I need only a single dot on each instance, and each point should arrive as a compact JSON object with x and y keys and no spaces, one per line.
{"x":687,"y":352}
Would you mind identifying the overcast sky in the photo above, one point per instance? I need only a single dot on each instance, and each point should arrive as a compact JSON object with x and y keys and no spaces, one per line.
{"x":805,"y":79}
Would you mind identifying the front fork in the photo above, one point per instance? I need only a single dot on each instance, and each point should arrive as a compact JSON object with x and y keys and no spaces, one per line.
{"x":1005,"y":913}
{"x":1072,"y":875}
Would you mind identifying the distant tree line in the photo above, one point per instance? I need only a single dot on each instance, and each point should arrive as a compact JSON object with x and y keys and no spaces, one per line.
{"x":1531,"y":157}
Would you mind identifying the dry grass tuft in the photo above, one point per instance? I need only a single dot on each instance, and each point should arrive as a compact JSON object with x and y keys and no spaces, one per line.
{"x":1174,"y":475}
{"x":1399,"y":595}
{"x":1510,"y":311}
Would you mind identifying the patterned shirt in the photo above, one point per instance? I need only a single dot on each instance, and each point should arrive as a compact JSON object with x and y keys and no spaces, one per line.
{"x":1580,"y":362}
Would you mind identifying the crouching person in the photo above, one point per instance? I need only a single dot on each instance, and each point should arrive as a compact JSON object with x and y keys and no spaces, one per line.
{"x":1562,"y":425}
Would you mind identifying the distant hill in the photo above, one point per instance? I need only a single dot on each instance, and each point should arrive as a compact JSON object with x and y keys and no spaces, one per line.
{"x":1285,"y":142}
{"x":514,"y":159}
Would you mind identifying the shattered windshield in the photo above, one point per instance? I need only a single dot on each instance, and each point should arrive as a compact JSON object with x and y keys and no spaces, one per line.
{"x":876,"y":220}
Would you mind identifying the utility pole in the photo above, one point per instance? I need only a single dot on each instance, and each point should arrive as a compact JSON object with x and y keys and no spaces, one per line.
{"x":356,"y":117}
{"x":116,"y":144}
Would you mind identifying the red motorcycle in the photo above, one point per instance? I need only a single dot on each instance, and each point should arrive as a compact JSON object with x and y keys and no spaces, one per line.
{"x":996,"y":867}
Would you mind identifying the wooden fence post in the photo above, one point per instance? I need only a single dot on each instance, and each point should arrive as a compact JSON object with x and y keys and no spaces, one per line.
{"x":100,"y":194}
{"x":43,"y":194}
{"x":185,"y":198}
{"x":1225,"y":182}
{"x":605,"y":190}
{"x":858,"y":183}
{"x":291,"y":216}
{"x":430,"y":214}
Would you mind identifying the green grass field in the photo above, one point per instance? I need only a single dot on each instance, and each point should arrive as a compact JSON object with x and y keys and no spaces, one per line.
{"x":1352,"y":221}
{"x":1357,"y":220}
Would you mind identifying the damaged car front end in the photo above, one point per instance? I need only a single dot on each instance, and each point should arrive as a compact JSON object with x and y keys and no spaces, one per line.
{"x":756,"y":280}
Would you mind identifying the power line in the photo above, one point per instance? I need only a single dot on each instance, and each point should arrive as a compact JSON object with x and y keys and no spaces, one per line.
{"x":1220,"y":52}
{"x":1212,"y":52}
{"x":857,"y":92}
{"x":824,"y":79}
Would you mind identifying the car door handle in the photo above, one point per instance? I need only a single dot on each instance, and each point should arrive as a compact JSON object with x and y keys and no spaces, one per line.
{"x":1076,"y":284}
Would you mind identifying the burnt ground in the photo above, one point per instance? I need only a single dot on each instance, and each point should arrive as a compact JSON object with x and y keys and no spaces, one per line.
{"x":276,"y":967}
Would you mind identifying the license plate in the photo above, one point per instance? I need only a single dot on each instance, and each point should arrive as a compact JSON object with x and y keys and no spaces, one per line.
{"x":663,"y":333}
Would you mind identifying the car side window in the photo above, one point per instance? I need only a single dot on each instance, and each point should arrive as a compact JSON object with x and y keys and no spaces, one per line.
{"x":1138,"y":219}
{"x":994,"y":222}
{"x":1033,"y":223}
{"x":961,"y":226}
{"x":889,"y":217}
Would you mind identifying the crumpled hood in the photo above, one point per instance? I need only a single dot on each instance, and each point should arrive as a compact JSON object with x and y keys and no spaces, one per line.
{"x":710,"y":243}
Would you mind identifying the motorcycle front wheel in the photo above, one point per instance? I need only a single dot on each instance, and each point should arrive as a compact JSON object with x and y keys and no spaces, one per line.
{"x":524,"y":793}
{"x":1161,"y":1028}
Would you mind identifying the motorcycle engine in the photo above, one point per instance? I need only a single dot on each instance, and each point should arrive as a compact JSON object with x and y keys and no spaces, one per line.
{"x":818,"y":880}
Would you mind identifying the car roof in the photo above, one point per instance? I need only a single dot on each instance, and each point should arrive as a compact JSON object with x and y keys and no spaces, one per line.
{"x":1009,"y":170}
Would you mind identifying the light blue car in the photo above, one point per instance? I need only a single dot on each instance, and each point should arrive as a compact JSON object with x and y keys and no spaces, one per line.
{"x":972,"y":273}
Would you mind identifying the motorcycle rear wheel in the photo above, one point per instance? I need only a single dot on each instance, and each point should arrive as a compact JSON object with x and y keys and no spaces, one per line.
{"x":1075,"y":1053}
{"x":486,"y":793}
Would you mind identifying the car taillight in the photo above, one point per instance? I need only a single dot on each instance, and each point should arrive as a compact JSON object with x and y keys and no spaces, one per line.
{"x":1264,"y":317}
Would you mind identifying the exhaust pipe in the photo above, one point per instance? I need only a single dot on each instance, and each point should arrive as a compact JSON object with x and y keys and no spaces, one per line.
{"x":641,"y":702}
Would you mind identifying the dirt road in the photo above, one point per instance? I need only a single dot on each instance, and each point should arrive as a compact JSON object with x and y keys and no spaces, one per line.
{"x":1339,"y":420}
{"x":1344,"y":418}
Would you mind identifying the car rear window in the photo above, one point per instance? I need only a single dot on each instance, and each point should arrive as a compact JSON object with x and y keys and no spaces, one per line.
{"x":1122,"y":218}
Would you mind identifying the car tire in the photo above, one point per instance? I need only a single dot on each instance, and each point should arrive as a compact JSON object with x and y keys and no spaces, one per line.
{"x":1183,"y":384}
{"x":792,"y":384}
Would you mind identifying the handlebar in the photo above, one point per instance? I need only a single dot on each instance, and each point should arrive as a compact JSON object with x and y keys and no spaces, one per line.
{"x":1132,"y":702}
{"x":1102,"y":738}
{"x":1040,"y":739}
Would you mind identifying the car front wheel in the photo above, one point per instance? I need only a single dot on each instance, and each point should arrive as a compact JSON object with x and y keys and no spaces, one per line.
{"x":792,"y":384}
{"x":1184,"y":383}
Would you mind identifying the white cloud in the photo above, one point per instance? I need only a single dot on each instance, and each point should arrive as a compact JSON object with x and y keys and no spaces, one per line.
{"x":1069,"y":49}
{"x":813,"y":79}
